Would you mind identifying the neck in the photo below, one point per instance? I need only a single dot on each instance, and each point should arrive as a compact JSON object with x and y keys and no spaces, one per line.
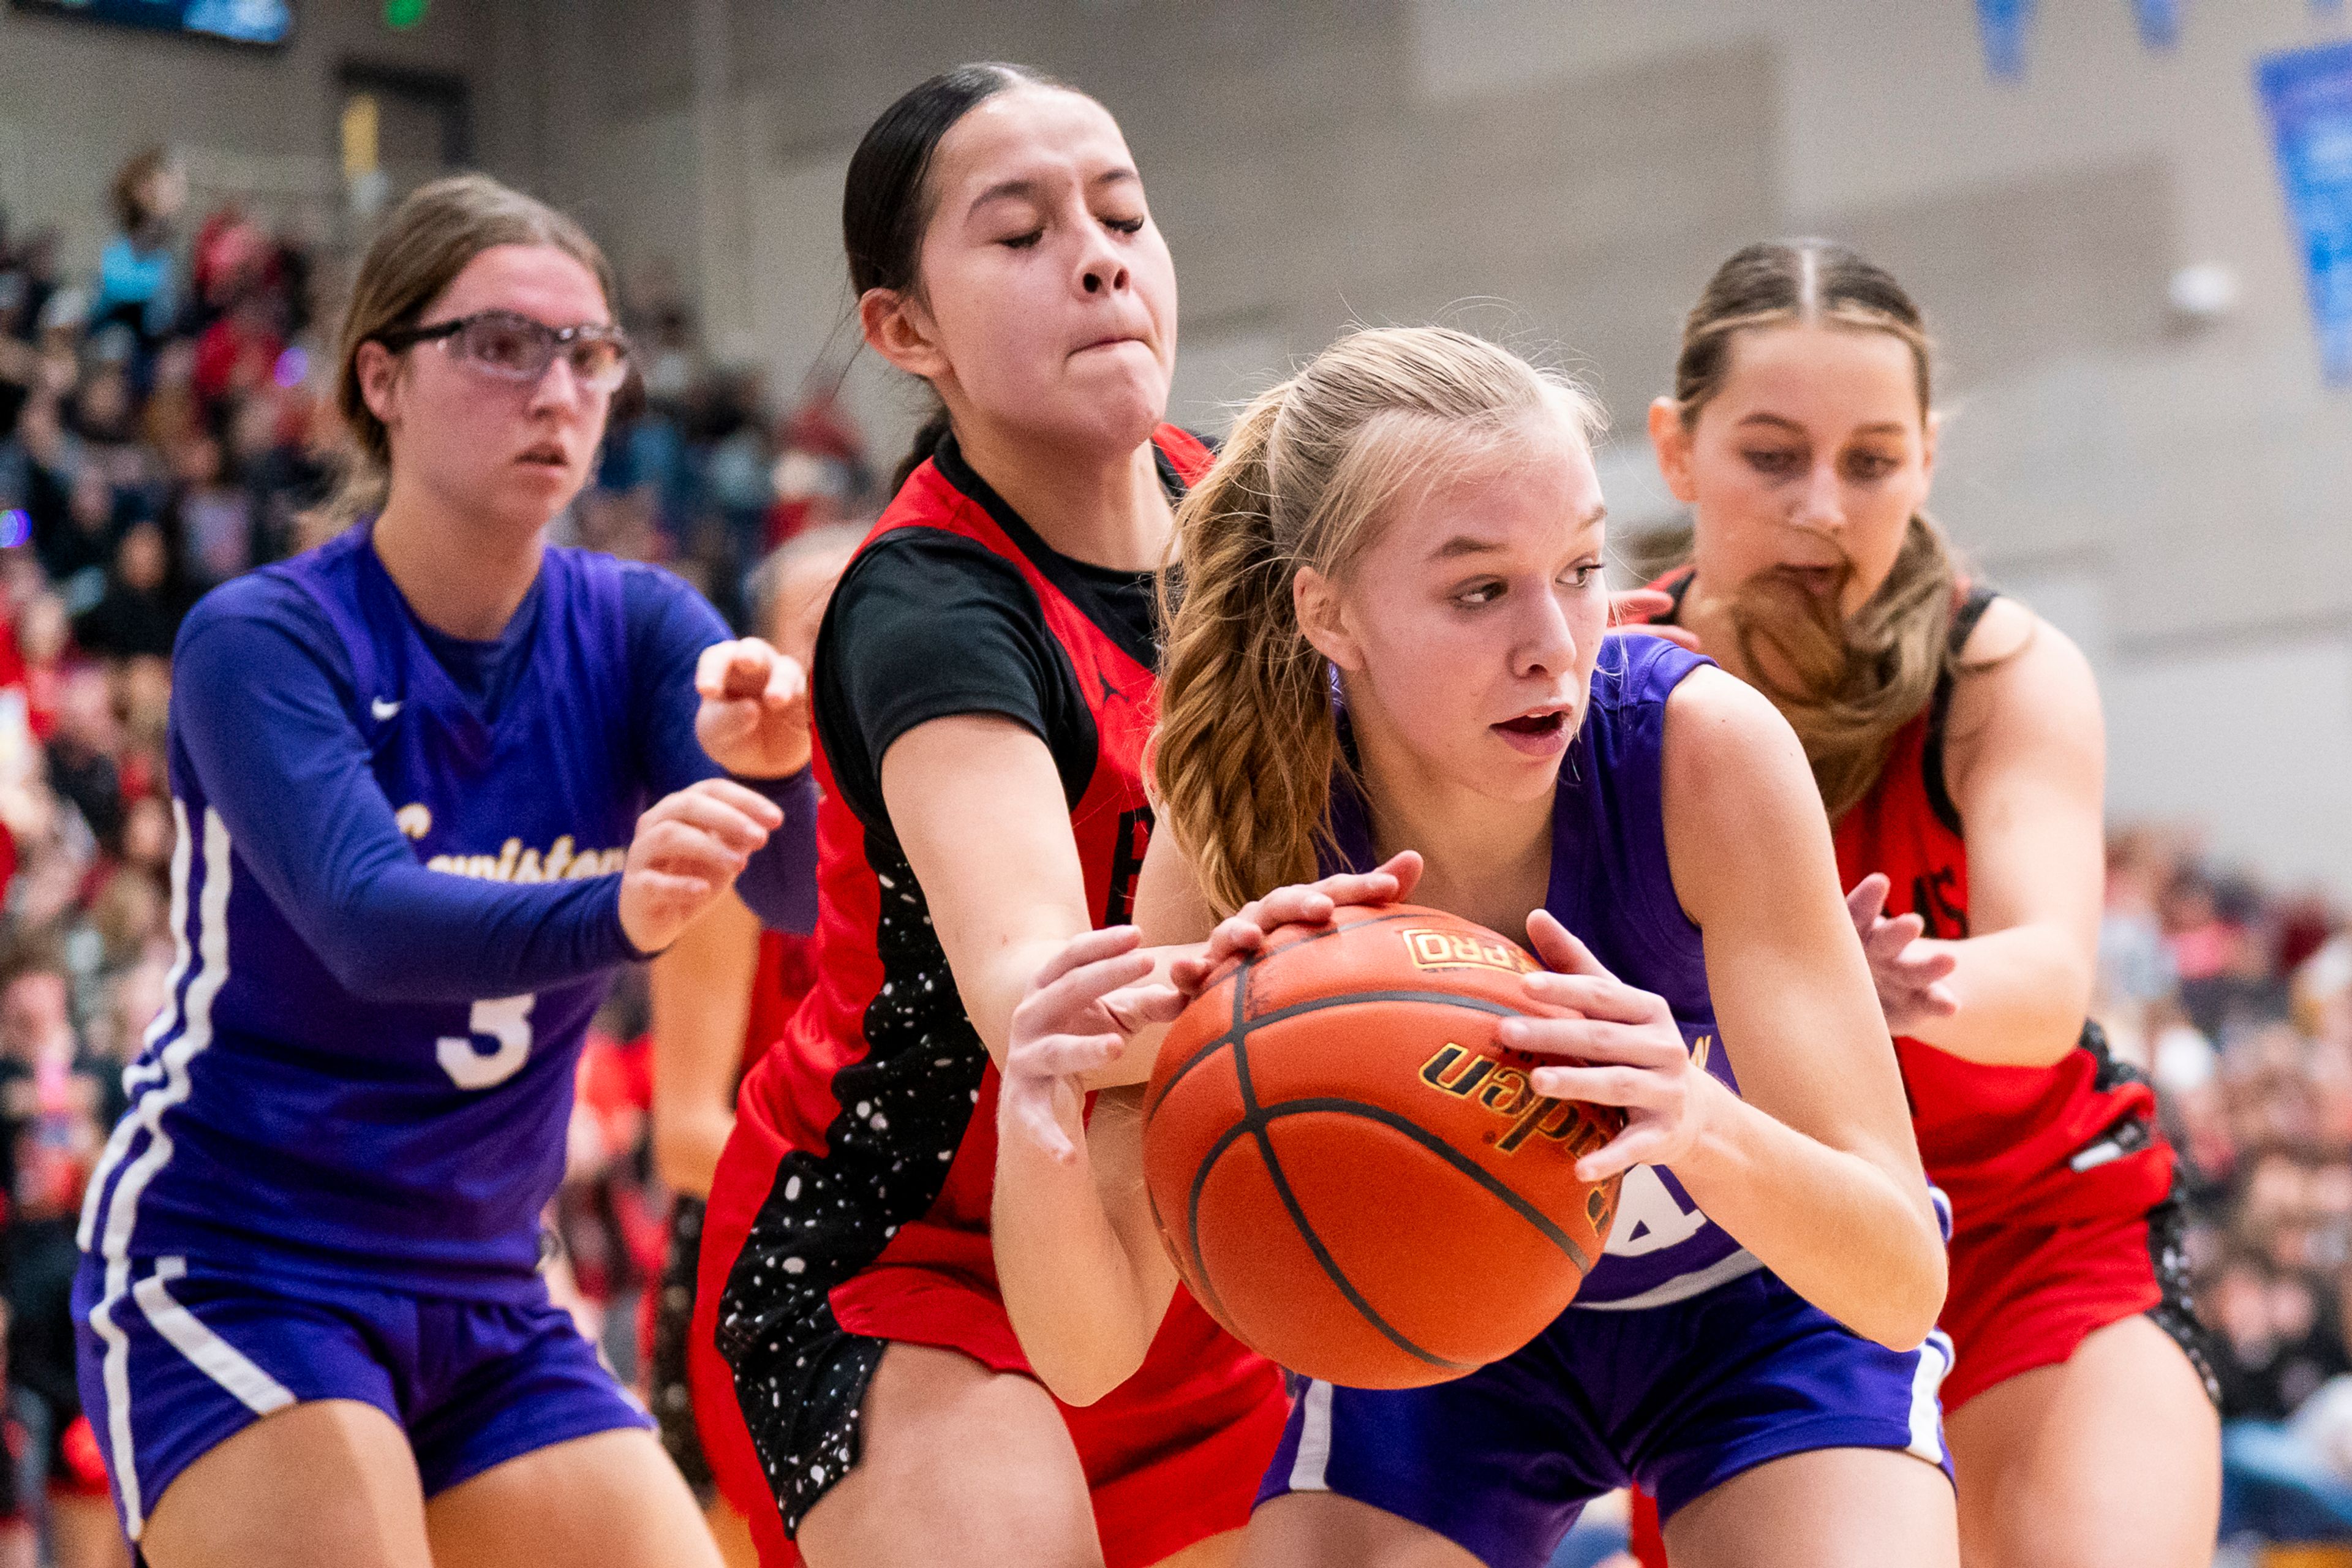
{"x":461,"y":577}
{"x":1107,"y":510}
{"x":1484,"y":859}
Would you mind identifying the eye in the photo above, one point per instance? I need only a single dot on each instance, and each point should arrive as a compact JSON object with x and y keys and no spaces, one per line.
{"x":1784,"y":460}
{"x":1124,"y":225}
{"x":1479,"y":593}
{"x":1023,"y":241}
{"x":1870,"y":465}
{"x":1584,"y":574}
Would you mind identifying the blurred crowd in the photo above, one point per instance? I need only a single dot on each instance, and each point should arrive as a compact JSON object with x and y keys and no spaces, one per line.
{"x":2238,"y":1000}
{"x":165,"y":424}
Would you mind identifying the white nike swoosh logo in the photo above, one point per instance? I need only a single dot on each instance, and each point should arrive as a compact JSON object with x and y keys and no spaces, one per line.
{"x":383,"y":709}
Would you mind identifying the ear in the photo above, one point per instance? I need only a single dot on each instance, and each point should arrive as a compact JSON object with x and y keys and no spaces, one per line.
{"x":1671,"y":440}
{"x":379,"y":370}
{"x":897,"y":328}
{"x":1322,"y":618}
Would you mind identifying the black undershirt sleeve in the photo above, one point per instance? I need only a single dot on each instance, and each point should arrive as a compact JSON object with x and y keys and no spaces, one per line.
{"x":925,"y":626}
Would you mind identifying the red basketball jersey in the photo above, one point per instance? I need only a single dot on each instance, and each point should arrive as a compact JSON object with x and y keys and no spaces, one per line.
{"x":878,"y":1075}
{"x":2074,"y":1140}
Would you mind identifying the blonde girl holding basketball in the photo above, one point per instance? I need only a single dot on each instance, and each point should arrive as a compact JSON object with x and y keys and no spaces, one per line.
{"x":1416,"y":513}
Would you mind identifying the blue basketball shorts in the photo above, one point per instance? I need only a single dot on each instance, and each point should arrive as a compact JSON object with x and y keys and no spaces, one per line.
{"x":1679,"y":1398}
{"x":180,"y":1355}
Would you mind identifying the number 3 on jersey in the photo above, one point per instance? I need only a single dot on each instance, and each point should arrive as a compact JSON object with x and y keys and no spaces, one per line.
{"x":507,"y":1021}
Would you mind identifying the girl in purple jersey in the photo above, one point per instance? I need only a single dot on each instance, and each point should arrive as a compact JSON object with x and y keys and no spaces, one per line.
{"x":436,"y":781}
{"x":1417,"y":512}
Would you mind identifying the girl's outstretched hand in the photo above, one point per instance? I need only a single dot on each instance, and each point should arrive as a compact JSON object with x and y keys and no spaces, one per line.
{"x":1908,"y":971}
{"x":1301,"y":903}
{"x":754,"y":718}
{"x":1075,"y":1017}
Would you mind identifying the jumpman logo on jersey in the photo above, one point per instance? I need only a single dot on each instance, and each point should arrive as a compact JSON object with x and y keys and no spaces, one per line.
{"x":1112,"y":694}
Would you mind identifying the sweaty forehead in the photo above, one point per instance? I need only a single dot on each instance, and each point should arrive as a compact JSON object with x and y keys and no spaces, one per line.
{"x":1026,"y":133}
{"x":536,"y":280}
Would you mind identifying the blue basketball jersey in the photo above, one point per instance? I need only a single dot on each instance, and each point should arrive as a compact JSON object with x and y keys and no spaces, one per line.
{"x":1612,"y":886}
{"x":279,"y":1119}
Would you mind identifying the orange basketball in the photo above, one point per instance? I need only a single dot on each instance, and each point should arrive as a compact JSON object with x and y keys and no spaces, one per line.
{"x":1351,"y":1175}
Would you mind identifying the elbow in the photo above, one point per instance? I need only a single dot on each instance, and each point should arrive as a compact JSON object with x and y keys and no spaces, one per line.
{"x":1082,"y":1381}
{"x":1910,"y":1298}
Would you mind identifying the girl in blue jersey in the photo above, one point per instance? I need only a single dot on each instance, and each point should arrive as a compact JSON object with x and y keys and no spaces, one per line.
{"x":1417,"y":511}
{"x":435,"y":781}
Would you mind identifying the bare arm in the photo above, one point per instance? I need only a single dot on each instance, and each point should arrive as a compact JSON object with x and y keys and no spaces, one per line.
{"x":1814,"y":1170}
{"x":701,"y":991}
{"x":2025,"y":761}
{"x":977,"y":805}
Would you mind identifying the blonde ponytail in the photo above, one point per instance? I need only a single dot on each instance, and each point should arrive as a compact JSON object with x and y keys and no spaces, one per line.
{"x":1246,"y":742}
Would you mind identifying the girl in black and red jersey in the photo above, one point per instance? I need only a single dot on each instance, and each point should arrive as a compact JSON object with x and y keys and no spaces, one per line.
{"x":983,"y":689}
{"x":1957,"y":741}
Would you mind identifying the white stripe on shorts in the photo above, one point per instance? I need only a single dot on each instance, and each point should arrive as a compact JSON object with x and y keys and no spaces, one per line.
{"x":1935,"y":1363}
{"x":1314,"y":1440}
{"x":109,"y":1235}
{"x":214,"y":1356}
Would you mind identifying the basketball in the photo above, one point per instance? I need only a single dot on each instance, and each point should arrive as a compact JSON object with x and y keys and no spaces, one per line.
{"x":1350,"y":1173}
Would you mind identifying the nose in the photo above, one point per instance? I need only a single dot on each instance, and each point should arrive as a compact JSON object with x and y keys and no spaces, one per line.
{"x":1546,"y":644}
{"x":557,"y":388}
{"x":1101,"y":270}
{"x":1821,"y":503}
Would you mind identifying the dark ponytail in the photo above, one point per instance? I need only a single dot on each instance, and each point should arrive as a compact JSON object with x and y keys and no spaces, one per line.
{"x":885,"y":203}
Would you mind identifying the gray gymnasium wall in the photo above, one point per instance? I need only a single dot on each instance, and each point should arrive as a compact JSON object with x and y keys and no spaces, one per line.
{"x":2179,"y":499}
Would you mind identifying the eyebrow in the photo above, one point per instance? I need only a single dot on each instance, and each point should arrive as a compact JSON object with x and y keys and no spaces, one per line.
{"x":1462,"y":544}
{"x":1884,"y":427}
{"x":1022,"y":188}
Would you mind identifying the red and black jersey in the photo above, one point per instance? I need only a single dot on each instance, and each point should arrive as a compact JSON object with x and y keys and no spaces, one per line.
{"x":880,"y":1099}
{"x":2076,"y":1140}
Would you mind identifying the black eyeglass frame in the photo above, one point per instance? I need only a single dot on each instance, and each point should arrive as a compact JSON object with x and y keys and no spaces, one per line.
{"x":556,"y":339}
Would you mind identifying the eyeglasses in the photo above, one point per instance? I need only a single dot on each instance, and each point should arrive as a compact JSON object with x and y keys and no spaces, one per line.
{"x":516,"y":348}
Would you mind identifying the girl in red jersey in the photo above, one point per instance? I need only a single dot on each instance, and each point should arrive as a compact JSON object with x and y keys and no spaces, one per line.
{"x":1957,"y":741}
{"x":983,"y":688}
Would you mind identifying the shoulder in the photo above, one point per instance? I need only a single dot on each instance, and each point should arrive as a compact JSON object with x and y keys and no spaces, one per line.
{"x":264,"y":604}
{"x":1717,"y":722}
{"x":919,"y":567}
{"x":2021,"y":682}
{"x":1739,"y":796}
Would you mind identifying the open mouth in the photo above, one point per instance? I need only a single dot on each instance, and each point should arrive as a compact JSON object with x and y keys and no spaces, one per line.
{"x":545,"y":457}
{"x":1540,"y":733}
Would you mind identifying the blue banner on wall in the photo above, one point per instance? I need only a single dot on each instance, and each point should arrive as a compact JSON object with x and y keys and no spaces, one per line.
{"x":2308,"y":96}
{"x":2160,"y":22}
{"x":2002,"y":24}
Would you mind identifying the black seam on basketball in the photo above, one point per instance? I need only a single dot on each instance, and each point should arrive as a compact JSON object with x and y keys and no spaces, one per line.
{"x":1444,"y":1151}
{"x":1192,"y":1218}
{"x":1255,"y":1125}
{"x":1243,"y":1026}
